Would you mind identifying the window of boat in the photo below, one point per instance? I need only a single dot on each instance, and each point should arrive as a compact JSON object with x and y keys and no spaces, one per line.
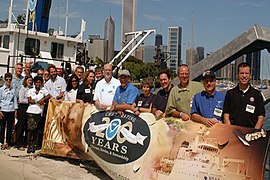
{"x":6,"y":41}
{"x":0,"y":41}
{"x":32,"y":46}
{"x":57,"y":50}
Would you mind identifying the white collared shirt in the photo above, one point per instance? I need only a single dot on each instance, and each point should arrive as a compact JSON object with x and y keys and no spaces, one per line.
{"x":104,"y":92}
{"x":56,"y":87}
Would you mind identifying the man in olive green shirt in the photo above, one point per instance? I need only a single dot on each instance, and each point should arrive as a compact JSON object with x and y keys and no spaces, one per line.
{"x":181,"y":96}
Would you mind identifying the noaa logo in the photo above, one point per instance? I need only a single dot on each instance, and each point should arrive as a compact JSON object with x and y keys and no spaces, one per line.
{"x":112,"y":129}
{"x":32,"y":5}
{"x":117,"y":139}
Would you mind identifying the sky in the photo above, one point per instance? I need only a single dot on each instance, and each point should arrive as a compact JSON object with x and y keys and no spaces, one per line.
{"x":214,"y":22}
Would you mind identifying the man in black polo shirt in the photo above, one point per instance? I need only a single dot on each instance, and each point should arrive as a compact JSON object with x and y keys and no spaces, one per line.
{"x":160,"y":100}
{"x":243,"y":105}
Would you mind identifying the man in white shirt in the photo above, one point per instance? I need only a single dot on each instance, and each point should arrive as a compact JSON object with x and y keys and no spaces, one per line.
{"x":105,"y":89}
{"x":56,"y":85}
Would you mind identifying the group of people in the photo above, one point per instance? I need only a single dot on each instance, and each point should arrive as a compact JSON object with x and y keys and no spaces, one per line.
{"x":25,"y":97}
{"x":242,"y":106}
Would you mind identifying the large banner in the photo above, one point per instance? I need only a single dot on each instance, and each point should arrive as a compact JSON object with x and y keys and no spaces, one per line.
{"x":130,"y":147}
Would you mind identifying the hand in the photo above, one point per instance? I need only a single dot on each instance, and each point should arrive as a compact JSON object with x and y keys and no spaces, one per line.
{"x":185,"y":117}
{"x":103,"y":107}
{"x":210,"y":121}
{"x":159,"y":114}
{"x":81,"y":103}
{"x":1,"y":115}
{"x":136,"y":112}
{"x":41,"y":101}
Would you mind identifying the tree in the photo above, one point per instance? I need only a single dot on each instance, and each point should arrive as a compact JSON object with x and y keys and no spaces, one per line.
{"x":139,"y":70}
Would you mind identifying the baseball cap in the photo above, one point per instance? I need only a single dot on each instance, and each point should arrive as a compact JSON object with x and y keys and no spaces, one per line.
{"x":124,"y":73}
{"x":209,"y":74}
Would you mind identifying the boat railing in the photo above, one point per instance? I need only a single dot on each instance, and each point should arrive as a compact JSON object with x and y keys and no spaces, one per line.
{"x":26,"y":58}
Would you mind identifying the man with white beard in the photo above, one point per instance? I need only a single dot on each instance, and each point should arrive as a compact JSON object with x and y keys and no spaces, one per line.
{"x":105,"y":89}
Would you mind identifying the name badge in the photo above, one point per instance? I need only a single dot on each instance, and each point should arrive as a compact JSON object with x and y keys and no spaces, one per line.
{"x":217,"y":112}
{"x":191,"y":101}
{"x":139,"y":103}
{"x":250,"y":108}
{"x":87,"y":90}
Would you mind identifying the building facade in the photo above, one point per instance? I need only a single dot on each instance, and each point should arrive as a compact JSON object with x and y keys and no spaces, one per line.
{"x":109,"y":37}
{"x":96,"y":47}
{"x":174,"y":47}
{"x":129,"y":8}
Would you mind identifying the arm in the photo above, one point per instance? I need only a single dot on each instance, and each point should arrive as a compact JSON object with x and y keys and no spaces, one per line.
{"x":206,"y":121}
{"x":22,"y":95}
{"x":44,"y":99}
{"x":142,"y":109}
{"x":61,"y":95}
{"x":226,"y":117}
{"x":31,"y":101}
{"x":157,"y":113}
{"x":260,"y":122}
{"x":99,"y":105}
{"x":122,"y":107}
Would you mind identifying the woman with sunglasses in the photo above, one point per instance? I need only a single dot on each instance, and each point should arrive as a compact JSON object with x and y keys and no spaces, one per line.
{"x":72,"y":87}
{"x":8,"y":105}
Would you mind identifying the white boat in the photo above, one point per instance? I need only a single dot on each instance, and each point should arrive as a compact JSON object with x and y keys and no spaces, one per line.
{"x":18,"y":43}
{"x":200,"y":160}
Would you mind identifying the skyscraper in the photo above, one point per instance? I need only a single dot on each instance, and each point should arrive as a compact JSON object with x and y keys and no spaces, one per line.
{"x":109,"y":34}
{"x":191,"y":56}
{"x":158,"y":40}
{"x":200,"y":53}
{"x":174,"y":47}
{"x":96,"y":47}
{"x":128,"y":19}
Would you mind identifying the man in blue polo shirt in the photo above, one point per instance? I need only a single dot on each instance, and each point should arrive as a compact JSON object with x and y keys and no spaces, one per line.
{"x":125,"y":94}
{"x":207,"y":105}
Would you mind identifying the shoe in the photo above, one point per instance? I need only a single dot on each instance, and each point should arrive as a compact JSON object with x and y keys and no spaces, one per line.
{"x":33,"y":150}
{"x":29,"y":150}
{"x":7,"y":146}
{"x":3,"y":147}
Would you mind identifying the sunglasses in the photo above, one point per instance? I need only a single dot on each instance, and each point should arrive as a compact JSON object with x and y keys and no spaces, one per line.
{"x":8,"y":79}
{"x":74,"y":81}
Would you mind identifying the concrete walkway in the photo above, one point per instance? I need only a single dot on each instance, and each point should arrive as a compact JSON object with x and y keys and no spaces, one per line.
{"x":15,"y":164}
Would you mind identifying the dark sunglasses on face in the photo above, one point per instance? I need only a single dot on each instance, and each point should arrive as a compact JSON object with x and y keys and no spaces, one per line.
{"x":8,"y":79}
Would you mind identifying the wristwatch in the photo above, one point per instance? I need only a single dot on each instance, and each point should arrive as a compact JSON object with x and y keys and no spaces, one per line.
{"x":181,"y":113}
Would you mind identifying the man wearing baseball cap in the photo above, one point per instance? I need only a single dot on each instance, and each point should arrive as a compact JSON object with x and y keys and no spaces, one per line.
{"x":207,"y":105}
{"x":125,"y":94}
